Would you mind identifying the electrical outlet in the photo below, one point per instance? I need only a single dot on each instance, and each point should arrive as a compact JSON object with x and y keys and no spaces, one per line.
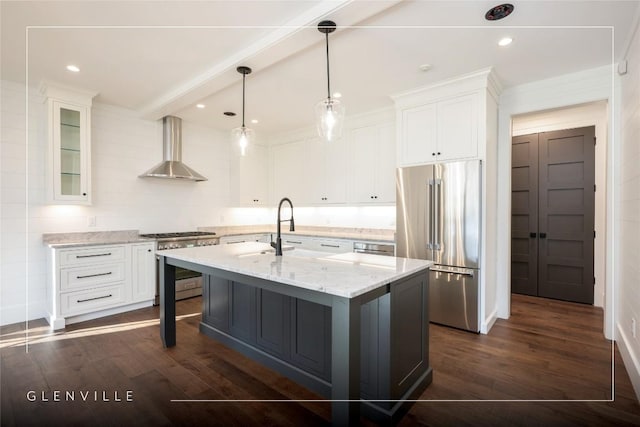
{"x":91,"y":221}
{"x":633,"y":327}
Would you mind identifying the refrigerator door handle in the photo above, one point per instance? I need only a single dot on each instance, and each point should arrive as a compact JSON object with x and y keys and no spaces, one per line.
{"x":430,"y":212}
{"x":453,"y":270}
{"x":437,"y":213}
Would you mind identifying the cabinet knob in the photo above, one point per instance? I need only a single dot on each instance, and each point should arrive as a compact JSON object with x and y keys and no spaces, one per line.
{"x":438,"y":153}
{"x":84,"y":194}
{"x":433,"y":154}
{"x":148,"y":250}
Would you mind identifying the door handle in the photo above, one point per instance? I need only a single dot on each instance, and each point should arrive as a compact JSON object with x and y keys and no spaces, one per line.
{"x":543,"y":235}
{"x":532,"y":235}
{"x":436,"y":216}
{"x":430,"y":211}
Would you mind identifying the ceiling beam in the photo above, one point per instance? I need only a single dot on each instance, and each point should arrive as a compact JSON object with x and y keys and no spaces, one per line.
{"x":276,"y":46}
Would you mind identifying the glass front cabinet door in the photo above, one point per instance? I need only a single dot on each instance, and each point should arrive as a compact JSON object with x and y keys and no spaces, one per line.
{"x":70,"y":148}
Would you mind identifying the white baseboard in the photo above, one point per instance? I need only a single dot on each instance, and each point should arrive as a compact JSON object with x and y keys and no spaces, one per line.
{"x":20,"y":314}
{"x":103,"y":313}
{"x":630,"y":359}
{"x":488,"y":322}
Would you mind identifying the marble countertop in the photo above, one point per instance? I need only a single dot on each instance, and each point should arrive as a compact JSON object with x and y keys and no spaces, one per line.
{"x":78,"y":240}
{"x":346,"y":275}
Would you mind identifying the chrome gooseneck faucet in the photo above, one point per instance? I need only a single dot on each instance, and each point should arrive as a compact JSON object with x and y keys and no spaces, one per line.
{"x":278,"y":243}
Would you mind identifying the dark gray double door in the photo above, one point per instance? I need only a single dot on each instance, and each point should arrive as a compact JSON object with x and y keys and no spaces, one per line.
{"x":552,"y":214}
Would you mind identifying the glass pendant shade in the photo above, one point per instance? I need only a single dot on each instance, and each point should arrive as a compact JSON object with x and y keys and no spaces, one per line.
{"x":329,"y":111}
{"x":329,"y":118}
{"x":242,"y":138}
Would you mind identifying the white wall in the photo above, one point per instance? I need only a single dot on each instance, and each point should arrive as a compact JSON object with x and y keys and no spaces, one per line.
{"x":627,"y":186}
{"x":14,"y":284}
{"x":123,"y":146}
{"x":592,"y":114}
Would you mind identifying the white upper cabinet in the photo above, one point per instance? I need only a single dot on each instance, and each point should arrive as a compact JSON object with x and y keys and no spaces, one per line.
{"x":310,"y":172}
{"x":458,"y":128}
{"x":69,"y":133}
{"x":418,"y":124}
{"x":333,"y":179}
{"x":249,"y":177}
{"x":373,"y":164}
{"x":445,"y":121}
{"x":291,"y":174}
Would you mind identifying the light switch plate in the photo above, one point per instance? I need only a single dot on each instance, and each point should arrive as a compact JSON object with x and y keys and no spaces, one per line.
{"x":622,"y":67}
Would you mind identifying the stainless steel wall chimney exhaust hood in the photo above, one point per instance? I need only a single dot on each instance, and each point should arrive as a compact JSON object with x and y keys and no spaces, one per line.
{"x":172,"y":166}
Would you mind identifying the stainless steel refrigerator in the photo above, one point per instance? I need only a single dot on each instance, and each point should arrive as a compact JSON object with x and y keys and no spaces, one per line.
{"x":438,"y":211}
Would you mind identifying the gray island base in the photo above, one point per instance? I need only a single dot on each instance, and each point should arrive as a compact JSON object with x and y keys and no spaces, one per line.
{"x":362,"y":343}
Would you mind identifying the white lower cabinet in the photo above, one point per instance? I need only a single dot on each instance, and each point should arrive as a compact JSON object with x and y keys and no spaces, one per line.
{"x":80,"y":302}
{"x":302,"y":242}
{"x":318,"y":243}
{"x":143,"y":272}
{"x":95,"y":281}
{"x":241,"y":238}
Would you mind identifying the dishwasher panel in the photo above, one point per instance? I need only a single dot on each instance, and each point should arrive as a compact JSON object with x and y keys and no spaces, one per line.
{"x":453,"y":297}
{"x":374,"y":248}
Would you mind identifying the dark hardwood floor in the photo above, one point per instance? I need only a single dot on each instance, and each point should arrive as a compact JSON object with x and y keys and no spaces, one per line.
{"x":548,"y":351}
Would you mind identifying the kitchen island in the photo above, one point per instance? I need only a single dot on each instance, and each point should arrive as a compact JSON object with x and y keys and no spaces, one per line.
{"x":352,"y":327}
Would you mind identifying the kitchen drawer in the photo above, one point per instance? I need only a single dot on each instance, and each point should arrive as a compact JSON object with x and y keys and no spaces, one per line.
{"x":265,"y":238}
{"x":296,"y":241}
{"x":333,"y":246}
{"x":91,"y":276}
{"x":80,"y":302}
{"x":91,"y":255}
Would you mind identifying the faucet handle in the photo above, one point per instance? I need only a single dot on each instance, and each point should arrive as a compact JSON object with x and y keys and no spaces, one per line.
{"x":274,"y":245}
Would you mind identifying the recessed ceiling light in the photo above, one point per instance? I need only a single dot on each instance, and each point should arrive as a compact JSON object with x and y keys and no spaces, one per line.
{"x":425,"y":67}
{"x":337,"y":95}
{"x":505,"y":41}
{"x":200,"y":105}
{"x":499,"y":12}
{"x":254,"y":121}
{"x":73,"y":68}
{"x":229,"y":113}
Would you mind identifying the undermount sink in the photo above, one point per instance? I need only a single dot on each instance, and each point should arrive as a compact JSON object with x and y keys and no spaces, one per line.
{"x":288,"y":251}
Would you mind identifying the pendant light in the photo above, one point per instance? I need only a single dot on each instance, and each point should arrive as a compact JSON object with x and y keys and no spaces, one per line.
{"x":330,"y":111}
{"x":242,"y":136}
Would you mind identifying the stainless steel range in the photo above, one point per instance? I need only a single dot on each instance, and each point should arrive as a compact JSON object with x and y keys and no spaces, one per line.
{"x":188,"y":283}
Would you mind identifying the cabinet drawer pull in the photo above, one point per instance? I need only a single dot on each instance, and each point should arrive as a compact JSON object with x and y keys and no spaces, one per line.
{"x":93,"y":275}
{"x":293,"y":241}
{"x":91,"y":299}
{"x":93,"y":255}
{"x":329,"y":246}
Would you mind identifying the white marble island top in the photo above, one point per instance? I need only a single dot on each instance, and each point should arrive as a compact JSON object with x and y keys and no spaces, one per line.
{"x":346,"y":275}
